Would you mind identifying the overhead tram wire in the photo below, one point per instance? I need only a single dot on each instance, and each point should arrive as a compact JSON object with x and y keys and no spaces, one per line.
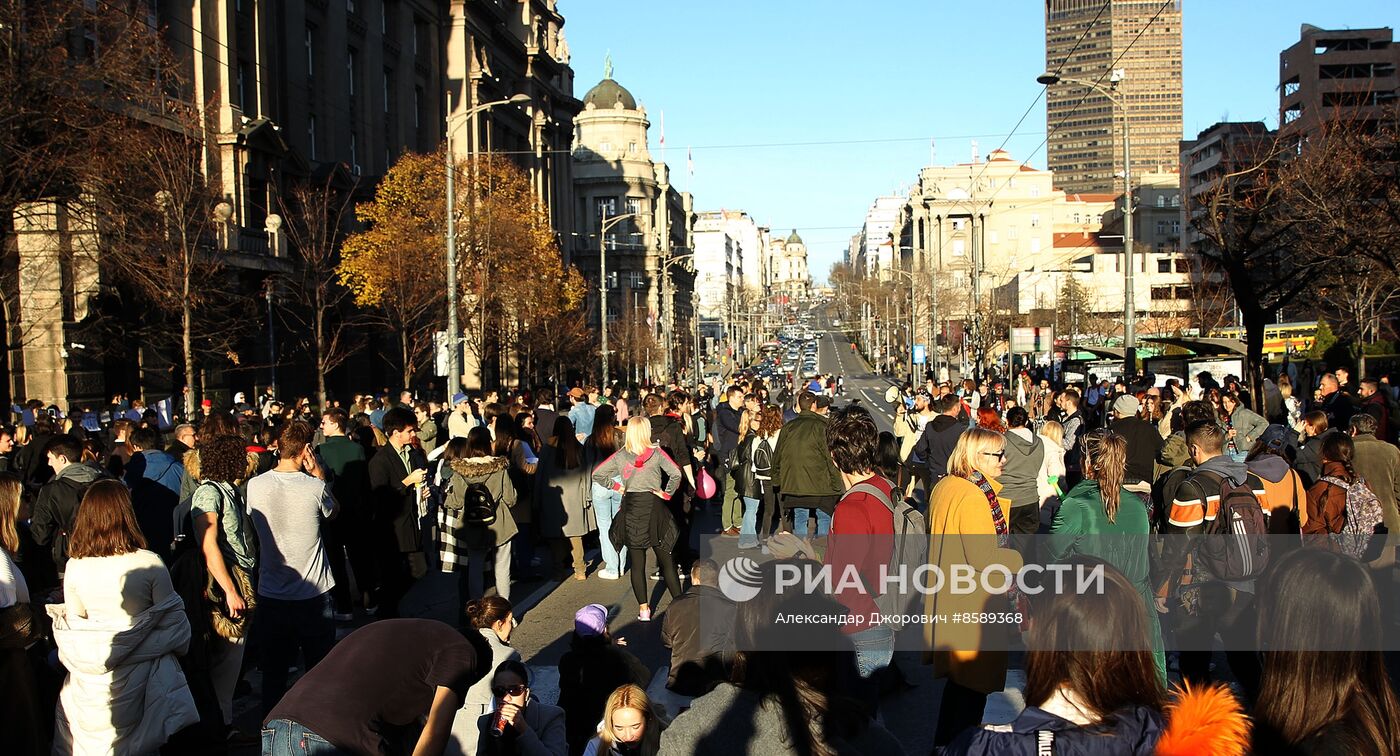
{"x":1040,"y":94}
{"x":263,"y":74}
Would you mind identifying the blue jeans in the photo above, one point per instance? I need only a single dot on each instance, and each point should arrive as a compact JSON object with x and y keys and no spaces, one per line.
{"x":606,"y":502}
{"x":283,"y":737}
{"x":286,"y":627}
{"x":874,"y":649}
{"x":799,"y":524}
{"x":748,"y":528}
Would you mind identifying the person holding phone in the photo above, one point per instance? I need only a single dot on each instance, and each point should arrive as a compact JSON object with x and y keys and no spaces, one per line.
{"x":289,"y":505}
{"x":519,"y":725}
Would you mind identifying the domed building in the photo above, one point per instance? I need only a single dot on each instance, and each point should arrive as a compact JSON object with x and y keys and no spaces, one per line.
{"x":649,"y":301}
{"x":788,"y":267}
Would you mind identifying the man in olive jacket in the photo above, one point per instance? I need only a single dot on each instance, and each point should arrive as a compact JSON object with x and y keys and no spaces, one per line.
{"x":806,"y":477}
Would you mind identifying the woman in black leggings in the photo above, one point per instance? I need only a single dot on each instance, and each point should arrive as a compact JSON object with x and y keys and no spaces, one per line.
{"x":647,"y":477}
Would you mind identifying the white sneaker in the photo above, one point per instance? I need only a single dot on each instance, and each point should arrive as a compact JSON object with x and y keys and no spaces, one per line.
{"x":606,"y":574}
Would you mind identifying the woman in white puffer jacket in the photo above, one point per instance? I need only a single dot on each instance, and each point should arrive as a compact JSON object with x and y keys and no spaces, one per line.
{"x":119,"y":631}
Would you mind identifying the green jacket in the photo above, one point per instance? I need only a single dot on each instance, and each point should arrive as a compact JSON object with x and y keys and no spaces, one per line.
{"x":345,"y":459}
{"x":1082,"y":527}
{"x":801,"y":464}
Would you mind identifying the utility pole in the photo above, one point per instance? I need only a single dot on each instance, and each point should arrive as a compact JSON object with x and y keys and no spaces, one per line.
{"x":1129,"y":259}
{"x":603,"y":292}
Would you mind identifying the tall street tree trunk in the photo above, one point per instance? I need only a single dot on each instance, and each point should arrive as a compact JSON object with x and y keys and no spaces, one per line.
{"x":320,"y":339}
{"x":403,"y":355}
{"x":187,"y":342}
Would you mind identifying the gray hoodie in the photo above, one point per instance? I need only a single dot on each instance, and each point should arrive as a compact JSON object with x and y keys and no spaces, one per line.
{"x":1270,"y":467}
{"x":1226,"y":467}
{"x":1025,"y":458}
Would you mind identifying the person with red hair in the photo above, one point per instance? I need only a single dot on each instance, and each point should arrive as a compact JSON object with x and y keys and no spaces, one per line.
{"x":989,"y":418}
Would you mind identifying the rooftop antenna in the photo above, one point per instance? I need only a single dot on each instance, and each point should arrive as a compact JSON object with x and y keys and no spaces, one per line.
{"x":933,"y":152}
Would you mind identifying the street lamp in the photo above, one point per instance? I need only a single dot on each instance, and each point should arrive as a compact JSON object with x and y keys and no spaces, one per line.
{"x":454,"y":367}
{"x":667,"y":306}
{"x":1129,"y":315}
{"x":604,"y":224}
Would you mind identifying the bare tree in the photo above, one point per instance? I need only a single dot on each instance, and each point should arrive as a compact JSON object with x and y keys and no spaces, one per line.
{"x":1248,"y":232}
{"x":162,"y":214}
{"x":316,"y":214}
{"x":75,"y":83}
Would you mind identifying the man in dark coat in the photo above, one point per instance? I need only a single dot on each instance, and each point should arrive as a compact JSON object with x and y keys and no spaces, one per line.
{"x":699,"y":631}
{"x":351,"y":531}
{"x":396,"y":482}
{"x":939,"y":437}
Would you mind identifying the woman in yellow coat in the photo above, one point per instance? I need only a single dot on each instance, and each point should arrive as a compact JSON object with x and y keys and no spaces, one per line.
{"x":967,"y":639}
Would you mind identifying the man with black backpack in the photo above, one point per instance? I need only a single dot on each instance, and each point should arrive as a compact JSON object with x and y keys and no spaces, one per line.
{"x":1215,"y":523}
{"x":57,"y":505}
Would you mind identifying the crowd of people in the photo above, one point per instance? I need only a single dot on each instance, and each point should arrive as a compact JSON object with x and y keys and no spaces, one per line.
{"x":147,"y":566}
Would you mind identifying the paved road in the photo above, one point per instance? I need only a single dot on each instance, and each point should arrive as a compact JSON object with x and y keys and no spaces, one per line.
{"x":862,"y":385}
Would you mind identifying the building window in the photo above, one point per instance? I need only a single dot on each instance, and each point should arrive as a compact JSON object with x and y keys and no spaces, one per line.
{"x":349,"y":6}
{"x":1164,"y":265}
{"x":634,"y":206}
{"x":1161,"y":200}
{"x":1035,"y":220}
{"x":384,"y":14}
{"x":350,"y":71}
{"x":1035,"y":246}
{"x":1035,"y":191}
{"x":606,"y":207}
{"x":388,"y":90}
{"x":245,"y":87}
{"x":957,"y":224}
{"x":310,"y":45}
{"x":354,"y":155}
{"x":1076,"y":218}
{"x":1183,"y":265}
{"x":632,"y":147}
{"x":417,"y":107}
{"x":1176,"y":200}
{"x":1160,"y":293}
{"x":1013,"y":232}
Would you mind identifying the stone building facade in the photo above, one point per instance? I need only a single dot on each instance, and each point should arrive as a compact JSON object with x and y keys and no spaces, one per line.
{"x":309,"y":88}
{"x":615,"y":176}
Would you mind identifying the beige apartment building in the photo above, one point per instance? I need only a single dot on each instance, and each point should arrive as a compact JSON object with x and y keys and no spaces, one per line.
{"x":1084,"y":39}
{"x":997,"y":234}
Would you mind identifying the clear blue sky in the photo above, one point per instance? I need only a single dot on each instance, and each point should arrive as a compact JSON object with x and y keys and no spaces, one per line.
{"x":742,"y":81}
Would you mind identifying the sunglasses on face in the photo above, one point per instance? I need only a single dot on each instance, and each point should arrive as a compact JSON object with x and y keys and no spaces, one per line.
{"x":997,"y":454}
{"x":513,"y":690}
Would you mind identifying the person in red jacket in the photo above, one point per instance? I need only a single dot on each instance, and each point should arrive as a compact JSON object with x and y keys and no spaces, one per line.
{"x":862,"y":533}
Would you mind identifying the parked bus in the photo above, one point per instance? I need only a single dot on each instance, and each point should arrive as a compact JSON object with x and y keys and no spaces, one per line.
{"x":1280,"y":338}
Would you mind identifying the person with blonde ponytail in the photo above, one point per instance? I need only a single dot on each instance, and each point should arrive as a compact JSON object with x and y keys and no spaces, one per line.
{"x":1101,"y":518}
